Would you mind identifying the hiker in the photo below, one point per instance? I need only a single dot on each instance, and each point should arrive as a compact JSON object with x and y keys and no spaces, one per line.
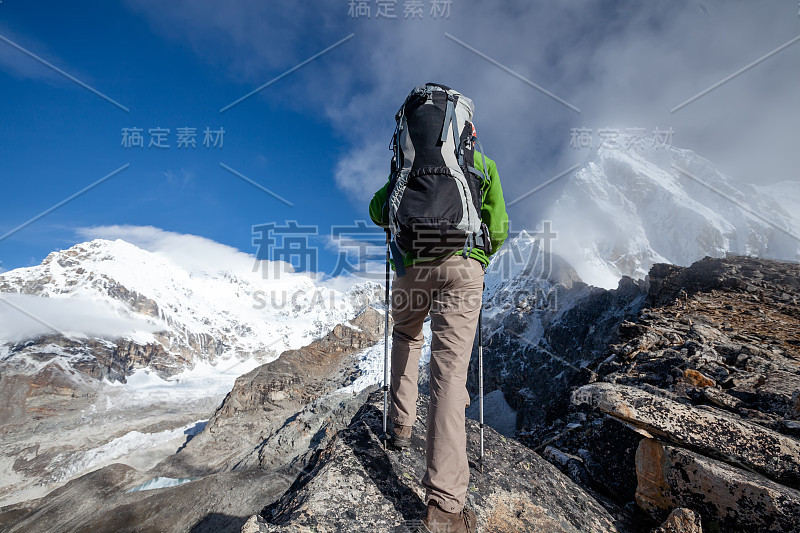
{"x":444,"y":207}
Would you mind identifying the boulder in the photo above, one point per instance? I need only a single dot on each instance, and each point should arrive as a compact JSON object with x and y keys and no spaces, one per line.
{"x":710,"y":432}
{"x":733,"y":499}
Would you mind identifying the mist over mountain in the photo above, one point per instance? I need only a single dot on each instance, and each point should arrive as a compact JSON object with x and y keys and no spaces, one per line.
{"x":626,"y":210}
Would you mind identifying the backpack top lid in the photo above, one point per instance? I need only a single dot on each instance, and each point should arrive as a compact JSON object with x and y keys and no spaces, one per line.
{"x":442,"y":85}
{"x":463,"y":105}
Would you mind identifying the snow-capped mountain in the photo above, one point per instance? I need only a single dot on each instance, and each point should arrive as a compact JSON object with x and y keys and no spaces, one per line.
{"x":625,"y":210}
{"x":129,"y":308}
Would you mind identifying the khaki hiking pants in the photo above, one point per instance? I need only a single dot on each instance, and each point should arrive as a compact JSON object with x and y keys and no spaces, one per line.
{"x":450,"y":289}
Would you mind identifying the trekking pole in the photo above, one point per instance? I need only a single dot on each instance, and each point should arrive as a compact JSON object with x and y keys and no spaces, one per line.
{"x":480,"y":379}
{"x":386,"y":346}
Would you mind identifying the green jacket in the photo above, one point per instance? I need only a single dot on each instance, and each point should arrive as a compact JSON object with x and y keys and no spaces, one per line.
{"x":493,"y":212}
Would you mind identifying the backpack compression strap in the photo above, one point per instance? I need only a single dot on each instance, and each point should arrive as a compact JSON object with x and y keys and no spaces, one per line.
{"x":448,"y":117}
{"x":398,"y":257}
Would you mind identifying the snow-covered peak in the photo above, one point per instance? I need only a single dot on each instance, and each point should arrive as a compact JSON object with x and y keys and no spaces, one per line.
{"x":200,"y":305}
{"x":625,"y":210}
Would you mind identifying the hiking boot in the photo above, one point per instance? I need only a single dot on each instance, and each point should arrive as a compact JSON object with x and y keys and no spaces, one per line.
{"x":401,"y":436}
{"x":439,"y":521}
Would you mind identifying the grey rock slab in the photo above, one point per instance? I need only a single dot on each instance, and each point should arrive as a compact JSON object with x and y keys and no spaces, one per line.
{"x":354,"y":484}
{"x":713,"y":433}
{"x":100,"y":502}
{"x":733,"y":499}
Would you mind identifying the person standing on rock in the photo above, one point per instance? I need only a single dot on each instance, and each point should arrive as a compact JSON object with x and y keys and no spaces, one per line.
{"x":443,"y":206}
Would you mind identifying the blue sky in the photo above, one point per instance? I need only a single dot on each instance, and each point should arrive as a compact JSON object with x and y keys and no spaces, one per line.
{"x":59,"y":137}
{"x":318,"y":137}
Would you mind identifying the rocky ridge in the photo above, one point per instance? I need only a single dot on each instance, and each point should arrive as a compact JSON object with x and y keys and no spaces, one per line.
{"x":552,"y":341}
{"x":671,"y":400}
{"x":694,"y":403}
{"x":283,"y":408}
{"x":354,"y":484}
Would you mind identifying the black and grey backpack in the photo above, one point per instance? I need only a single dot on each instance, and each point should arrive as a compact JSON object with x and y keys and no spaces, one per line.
{"x":434,"y":195}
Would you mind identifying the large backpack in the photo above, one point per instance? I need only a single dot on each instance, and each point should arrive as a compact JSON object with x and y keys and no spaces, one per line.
{"x":434,"y":195}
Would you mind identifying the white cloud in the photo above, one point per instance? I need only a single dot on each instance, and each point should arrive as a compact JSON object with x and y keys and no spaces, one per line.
{"x":624,"y":65}
{"x":24,"y":316}
{"x":191,"y":252}
{"x":363,"y":170}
